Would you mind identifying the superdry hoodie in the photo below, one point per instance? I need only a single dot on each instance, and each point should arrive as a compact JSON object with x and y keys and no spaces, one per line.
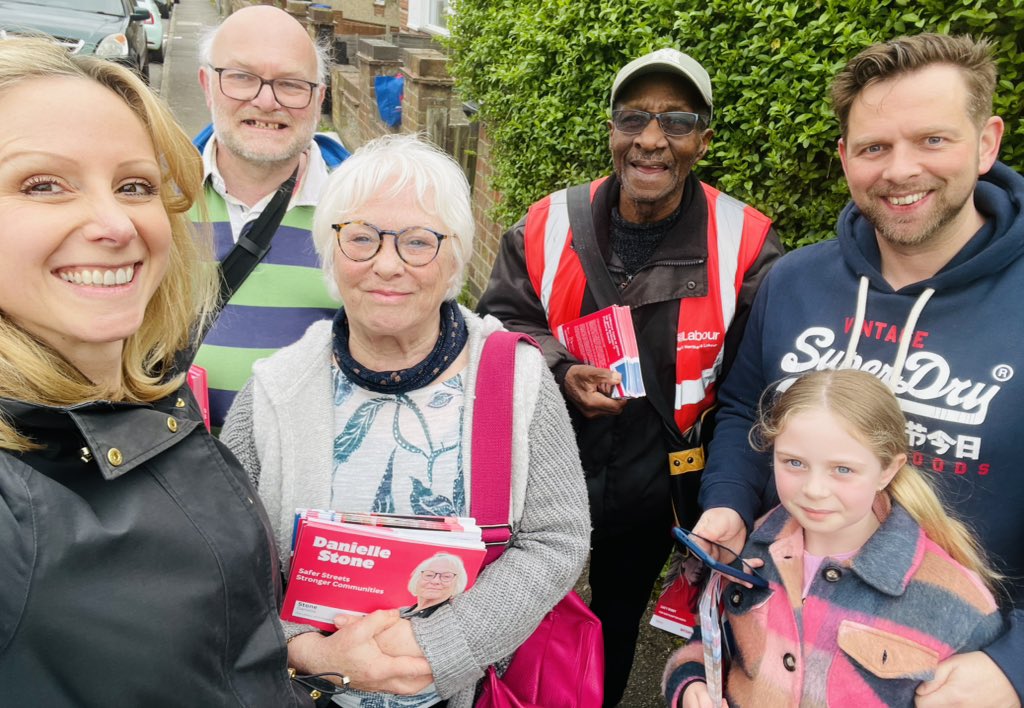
{"x":955,"y":342}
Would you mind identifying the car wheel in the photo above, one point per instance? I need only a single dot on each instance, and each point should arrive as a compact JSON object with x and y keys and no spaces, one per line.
{"x":157,"y":55}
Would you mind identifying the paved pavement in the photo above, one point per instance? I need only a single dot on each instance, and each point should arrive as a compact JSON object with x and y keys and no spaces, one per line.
{"x":652,"y":650}
{"x":179,"y":84}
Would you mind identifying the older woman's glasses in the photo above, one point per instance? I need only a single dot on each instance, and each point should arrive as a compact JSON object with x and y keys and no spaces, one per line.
{"x":445,"y":577}
{"x":243,"y":86}
{"x":674,"y":123}
{"x":360,"y":241}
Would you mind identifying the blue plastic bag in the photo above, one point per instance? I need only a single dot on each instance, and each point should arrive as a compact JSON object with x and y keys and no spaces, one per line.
{"x":389,"y":98}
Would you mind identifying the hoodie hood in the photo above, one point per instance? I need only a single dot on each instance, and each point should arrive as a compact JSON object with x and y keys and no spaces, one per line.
{"x":999,"y":196}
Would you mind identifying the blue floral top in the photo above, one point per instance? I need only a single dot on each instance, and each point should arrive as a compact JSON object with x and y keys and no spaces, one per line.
{"x":397,"y":454}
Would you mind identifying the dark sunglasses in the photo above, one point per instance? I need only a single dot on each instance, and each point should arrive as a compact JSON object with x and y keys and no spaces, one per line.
{"x":673,"y":123}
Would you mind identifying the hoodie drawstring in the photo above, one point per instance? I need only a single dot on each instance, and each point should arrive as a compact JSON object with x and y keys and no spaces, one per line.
{"x":858,"y":324}
{"x":908,"y":331}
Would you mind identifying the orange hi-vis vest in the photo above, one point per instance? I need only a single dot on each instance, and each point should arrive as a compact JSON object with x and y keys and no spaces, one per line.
{"x":736,"y":234}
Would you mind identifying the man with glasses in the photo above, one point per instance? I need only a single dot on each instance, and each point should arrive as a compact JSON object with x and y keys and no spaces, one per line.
{"x":264,"y":84}
{"x":687,"y":260}
{"x":921,"y":288}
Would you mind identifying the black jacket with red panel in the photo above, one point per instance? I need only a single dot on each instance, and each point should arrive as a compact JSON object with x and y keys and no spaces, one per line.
{"x":689,"y":303}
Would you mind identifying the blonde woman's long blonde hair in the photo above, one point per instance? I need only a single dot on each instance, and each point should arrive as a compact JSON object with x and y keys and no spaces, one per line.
{"x":873,"y":416}
{"x":31,"y":370}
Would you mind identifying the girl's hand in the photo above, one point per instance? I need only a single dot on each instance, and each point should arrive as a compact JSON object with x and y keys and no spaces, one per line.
{"x":696,"y":696}
{"x":754,"y":562}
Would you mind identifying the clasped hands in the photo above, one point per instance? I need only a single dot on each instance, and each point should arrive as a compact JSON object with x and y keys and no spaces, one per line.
{"x":377,"y":652}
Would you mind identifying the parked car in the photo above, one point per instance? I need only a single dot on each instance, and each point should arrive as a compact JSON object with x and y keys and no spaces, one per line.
{"x":111,"y":29}
{"x":165,"y":7}
{"x":154,"y":31}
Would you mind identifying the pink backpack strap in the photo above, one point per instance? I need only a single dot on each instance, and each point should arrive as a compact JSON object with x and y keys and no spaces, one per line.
{"x":491,"y":475}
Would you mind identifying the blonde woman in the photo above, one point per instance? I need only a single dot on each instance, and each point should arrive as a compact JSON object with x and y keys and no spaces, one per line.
{"x":136,"y":562}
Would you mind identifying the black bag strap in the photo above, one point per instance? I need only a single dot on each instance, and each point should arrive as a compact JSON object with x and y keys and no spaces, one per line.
{"x":599,"y":280}
{"x":254,"y":244}
{"x":584,"y":241}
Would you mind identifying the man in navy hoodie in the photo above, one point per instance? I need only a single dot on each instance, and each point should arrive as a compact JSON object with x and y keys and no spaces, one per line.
{"x":922,"y":287}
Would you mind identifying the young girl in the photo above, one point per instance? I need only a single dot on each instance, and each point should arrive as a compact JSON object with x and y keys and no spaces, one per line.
{"x":872,"y":583}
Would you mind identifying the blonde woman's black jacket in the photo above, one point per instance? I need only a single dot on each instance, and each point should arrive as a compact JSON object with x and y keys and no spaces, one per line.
{"x":136,"y":564}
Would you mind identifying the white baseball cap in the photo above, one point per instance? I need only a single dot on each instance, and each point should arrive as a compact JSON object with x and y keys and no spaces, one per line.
{"x":669,"y":61}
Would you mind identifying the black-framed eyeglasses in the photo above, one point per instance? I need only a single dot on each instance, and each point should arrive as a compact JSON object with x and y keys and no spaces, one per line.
{"x":244,"y":86}
{"x":416,"y":245}
{"x":728,"y":562}
{"x":673,"y":123}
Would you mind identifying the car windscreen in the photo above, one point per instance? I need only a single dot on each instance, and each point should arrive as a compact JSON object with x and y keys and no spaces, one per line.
{"x":106,"y":7}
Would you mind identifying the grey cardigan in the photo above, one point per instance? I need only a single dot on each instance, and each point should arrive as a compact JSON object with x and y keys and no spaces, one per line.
{"x":281,"y":427}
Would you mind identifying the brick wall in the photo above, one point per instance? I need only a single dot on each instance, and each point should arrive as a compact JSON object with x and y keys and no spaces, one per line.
{"x":488,"y":233}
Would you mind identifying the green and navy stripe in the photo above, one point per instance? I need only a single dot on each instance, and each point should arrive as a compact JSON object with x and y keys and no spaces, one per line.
{"x":283,"y":295}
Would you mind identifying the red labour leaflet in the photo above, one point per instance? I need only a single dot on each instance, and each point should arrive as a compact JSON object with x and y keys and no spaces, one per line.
{"x":675,"y":610}
{"x":354,"y":568}
{"x":606,"y":339}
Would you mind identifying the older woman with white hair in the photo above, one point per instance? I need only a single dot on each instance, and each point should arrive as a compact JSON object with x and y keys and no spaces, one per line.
{"x":373,"y":412}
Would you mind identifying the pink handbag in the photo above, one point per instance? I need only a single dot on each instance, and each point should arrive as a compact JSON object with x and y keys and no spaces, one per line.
{"x":560,"y":665}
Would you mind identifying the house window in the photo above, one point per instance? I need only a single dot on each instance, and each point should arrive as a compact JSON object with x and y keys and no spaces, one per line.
{"x":429,"y":15}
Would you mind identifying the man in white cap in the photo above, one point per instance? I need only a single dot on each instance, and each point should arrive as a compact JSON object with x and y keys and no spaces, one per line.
{"x":687,"y":260}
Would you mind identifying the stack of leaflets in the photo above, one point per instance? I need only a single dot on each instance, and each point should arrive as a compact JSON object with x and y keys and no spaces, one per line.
{"x":606,"y":339}
{"x":355,"y":563}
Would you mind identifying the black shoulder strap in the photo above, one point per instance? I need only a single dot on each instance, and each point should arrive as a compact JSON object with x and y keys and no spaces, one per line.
{"x":599,"y":280}
{"x":254,"y":244}
{"x":251,"y":248}
{"x":584,"y":240}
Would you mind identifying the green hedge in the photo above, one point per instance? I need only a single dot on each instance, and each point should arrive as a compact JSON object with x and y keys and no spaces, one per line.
{"x":542,"y":69}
